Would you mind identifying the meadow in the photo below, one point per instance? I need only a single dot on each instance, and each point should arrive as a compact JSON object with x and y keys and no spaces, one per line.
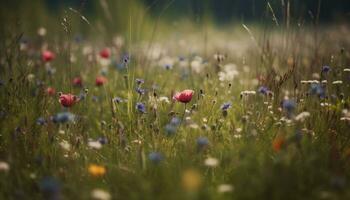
{"x":175,"y":110}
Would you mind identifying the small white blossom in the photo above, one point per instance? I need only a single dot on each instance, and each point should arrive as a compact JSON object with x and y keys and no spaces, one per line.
{"x":211,"y":162}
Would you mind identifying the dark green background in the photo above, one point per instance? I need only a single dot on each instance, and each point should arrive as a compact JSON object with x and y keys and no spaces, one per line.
{"x":227,"y":10}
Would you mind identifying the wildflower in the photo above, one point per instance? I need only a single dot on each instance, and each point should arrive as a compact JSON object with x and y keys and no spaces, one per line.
{"x":263,"y":90}
{"x":302,"y":116}
{"x":41,"y":121}
{"x":246,"y":93}
{"x":139,"y":81}
{"x":164,"y":99}
{"x":42,"y":31}
{"x":155,"y":157}
{"x":50,"y":70}
{"x":191,"y":180}
{"x":197,"y":64}
{"x":211,"y":162}
{"x":170,"y":129}
{"x":168,"y":67}
{"x":202,"y":142}
{"x":99,"y":194}
{"x":102,"y":140}
{"x":184,"y":96}
{"x":219,"y":57}
{"x":100,"y":80}
{"x":47,"y":56}
{"x":289,"y":105}
{"x":105,"y":53}
{"x":317,"y":89}
{"x":96,"y":170}
{"x":50,"y":91}
{"x":278,"y":143}
{"x":65,"y":145}
{"x":175,"y":121}
{"x":125,"y":59}
{"x":229,"y":73}
{"x":338,"y":82}
{"x":326,"y":69}
{"x":4,"y":166}
{"x":117,"y":100}
{"x":225,"y":106}
{"x":63,"y":117}
{"x":50,"y":188}
{"x":77,"y":81}
{"x":224,"y":188}
{"x":94,"y":144}
{"x":140,"y":91}
{"x":141,"y":107}
{"x":68,"y":100}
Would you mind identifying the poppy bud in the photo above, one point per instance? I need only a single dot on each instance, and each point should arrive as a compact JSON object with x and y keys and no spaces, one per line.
{"x":105,"y":53}
{"x":101,"y":80}
{"x":47,"y":56}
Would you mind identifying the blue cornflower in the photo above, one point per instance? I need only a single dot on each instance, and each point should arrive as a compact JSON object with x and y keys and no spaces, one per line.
{"x":140,"y":91}
{"x":41,"y":121}
{"x":139,"y":81}
{"x":117,"y":100}
{"x":326,"y":69}
{"x":175,"y":121}
{"x":155,"y":157}
{"x":63,"y":117}
{"x":202,"y":142}
{"x":317,"y":89}
{"x":168,"y":66}
{"x":226,"y":106}
{"x":170,"y":129}
{"x":181,"y":58}
{"x":141,"y":107}
{"x":102,"y":140}
{"x":263,"y":90}
{"x":126,"y":59}
{"x":289,"y":105}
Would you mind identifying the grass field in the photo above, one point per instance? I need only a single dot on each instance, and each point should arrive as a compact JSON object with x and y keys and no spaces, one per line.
{"x":184,"y":111}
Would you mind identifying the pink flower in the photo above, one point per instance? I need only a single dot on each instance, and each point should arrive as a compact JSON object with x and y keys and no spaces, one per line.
{"x":68,"y":100}
{"x":77,"y":81}
{"x":184,"y":96}
{"x":100,"y":80}
{"x":47,"y":56}
{"x":105,"y":53}
{"x":50,"y":91}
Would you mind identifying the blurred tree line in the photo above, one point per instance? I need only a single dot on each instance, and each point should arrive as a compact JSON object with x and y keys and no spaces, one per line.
{"x":252,"y":10}
{"x":228,"y":10}
{"x":107,"y":16}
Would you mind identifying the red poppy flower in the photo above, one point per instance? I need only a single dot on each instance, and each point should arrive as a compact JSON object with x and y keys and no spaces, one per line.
{"x":68,"y":100}
{"x":77,"y":81}
{"x":278,"y":143}
{"x":47,"y":56}
{"x":105,"y":53}
{"x":184,"y":96}
{"x":100,"y":80}
{"x":50,"y":91}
